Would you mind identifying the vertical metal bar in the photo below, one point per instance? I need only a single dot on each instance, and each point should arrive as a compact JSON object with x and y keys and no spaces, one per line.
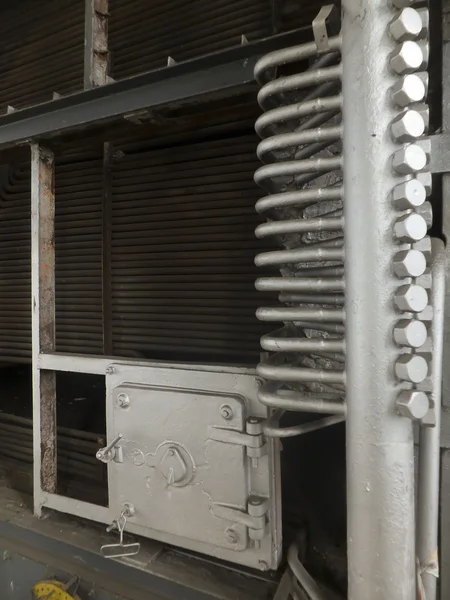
{"x":96,"y":54}
{"x":106,"y":251}
{"x":43,"y":319}
{"x":430,"y":437}
{"x":380,"y":459}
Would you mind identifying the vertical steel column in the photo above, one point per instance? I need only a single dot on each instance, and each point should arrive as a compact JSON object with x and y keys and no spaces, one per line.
{"x":430,"y":437}
{"x":96,"y":54}
{"x":96,"y":73}
{"x":43,"y":319}
{"x":380,"y":459}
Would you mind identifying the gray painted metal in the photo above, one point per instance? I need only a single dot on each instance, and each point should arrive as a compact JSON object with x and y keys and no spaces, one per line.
{"x":198,"y":477}
{"x":302,"y":176}
{"x":429,"y":441}
{"x":380,"y":458}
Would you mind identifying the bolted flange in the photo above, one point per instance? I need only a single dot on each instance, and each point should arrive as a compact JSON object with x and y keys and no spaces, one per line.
{"x":410,"y":228}
{"x":407,"y":126}
{"x":409,"y":263}
{"x":410,"y":332}
{"x":406,"y":58}
{"x":411,"y":298}
{"x":408,"y":90}
{"x":413,"y":404}
{"x":406,"y":25}
{"x":410,"y":367}
{"x":409,"y":194}
{"x":409,"y":159}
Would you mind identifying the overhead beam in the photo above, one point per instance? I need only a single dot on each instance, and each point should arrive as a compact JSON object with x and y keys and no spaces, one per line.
{"x":223,"y":73}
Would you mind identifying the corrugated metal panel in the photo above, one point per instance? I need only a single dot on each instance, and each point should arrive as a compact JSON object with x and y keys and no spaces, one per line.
{"x":78,"y":247}
{"x":78,"y":240}
{"x":182,"y":251}
{"x":143,"y":34}
{"x":41,"y":50}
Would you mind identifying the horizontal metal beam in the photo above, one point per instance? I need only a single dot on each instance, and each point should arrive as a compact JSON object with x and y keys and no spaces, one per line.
{"x":224,"y":72}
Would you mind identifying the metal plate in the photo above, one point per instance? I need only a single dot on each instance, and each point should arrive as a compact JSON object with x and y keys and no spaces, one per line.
{"x":185,"y":485}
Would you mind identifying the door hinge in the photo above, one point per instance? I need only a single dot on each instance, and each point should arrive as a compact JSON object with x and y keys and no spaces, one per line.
{"x":254,"y":519}
{"x":253,"y":438}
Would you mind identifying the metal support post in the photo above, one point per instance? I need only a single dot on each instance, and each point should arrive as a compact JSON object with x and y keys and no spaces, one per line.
{"x":379,"y":262}
{"x":429,"y":444}
{"x":96,"y":54}
{"x":43,"y":319}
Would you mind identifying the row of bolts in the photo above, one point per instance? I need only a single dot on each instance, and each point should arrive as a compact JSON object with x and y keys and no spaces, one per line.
{"x":409,"y":59}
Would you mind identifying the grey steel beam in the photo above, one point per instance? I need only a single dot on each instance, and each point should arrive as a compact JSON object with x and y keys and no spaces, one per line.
{"x":224,"y":73}
{"x":380,"y":459}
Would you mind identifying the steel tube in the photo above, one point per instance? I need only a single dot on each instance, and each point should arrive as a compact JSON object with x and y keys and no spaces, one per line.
{"x":429,"y":439}
{"x":380,"y":458}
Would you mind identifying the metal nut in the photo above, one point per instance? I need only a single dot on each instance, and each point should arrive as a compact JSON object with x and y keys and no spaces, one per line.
{"x":410,"y":333}
{"x":232,"y":536}
{"x":411,"y":367}
{"x":410,"y":228}
{"x":408,"y":126}
{"x":424,"y":280}
{"x":109,"y":370}
{"x":407,"y":90}
{"x":409,"y":263}
{"x":226,"y":412}
{"x":409,"y":194}
{"x":426,"y":212}
{"x":406,"y":58}
{"x":407,"y":25}
{"x":123,"y":400}
{"x":413,"y":404}
{"x":409,"y":159}
{"x":411,"y":298}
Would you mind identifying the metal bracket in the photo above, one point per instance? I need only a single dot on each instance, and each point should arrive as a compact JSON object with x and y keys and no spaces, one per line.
{"x":320,"y":30}
{"x":254,"y":519}
{"x":253,"y":439}
{"x":439,"y":153}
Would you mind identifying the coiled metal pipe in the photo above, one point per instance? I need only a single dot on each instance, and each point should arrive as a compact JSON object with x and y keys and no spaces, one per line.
{"x":300,"y":147}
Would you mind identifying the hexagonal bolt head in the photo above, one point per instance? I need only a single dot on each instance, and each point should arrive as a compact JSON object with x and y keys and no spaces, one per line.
{"x":406,"y":58}
{"x":408,"y":126}
{"x":409,"y":194}
{"x":232,"y":536}
{"x":426,"y":212}
{"x":409,"y":263}
{"x":406,"y":25}
{"x":411,"y":298}
{"x":408,"y":90}
{"x":412,"y":368}
{"x":123,"y":400}
{"x":413,"y":404}
{"x":226,"y":412}
{"x":409,"y":332}
{"x":409,"y":159}
{"x":410,"y":228}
